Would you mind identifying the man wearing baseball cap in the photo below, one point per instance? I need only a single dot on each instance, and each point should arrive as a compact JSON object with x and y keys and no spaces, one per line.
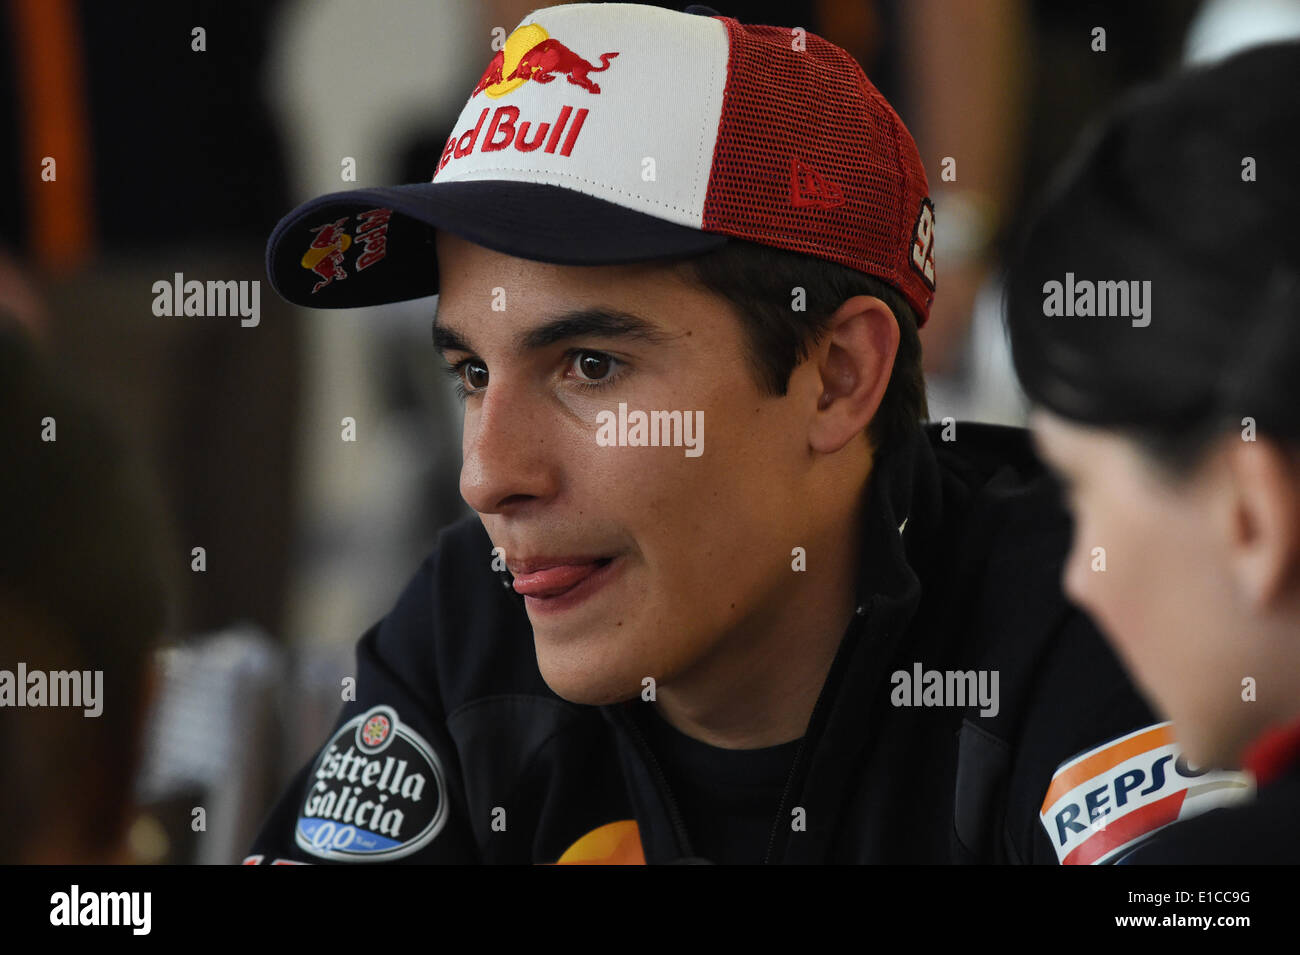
{"x":724,"y":598}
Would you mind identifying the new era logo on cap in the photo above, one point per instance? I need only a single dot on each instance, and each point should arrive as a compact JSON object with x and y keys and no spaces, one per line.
{"x":605,"y":133}
{"x":809,"y":188}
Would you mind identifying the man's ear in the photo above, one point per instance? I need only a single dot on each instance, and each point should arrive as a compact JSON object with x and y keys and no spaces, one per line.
{"x":854,"y":360}
{"x":1264,"y":528}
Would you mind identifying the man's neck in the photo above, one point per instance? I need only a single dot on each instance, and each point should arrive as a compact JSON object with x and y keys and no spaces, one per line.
{"x":760,"y":684}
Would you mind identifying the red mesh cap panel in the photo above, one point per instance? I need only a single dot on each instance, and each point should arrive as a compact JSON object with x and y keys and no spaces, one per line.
{"x":811,"y":158}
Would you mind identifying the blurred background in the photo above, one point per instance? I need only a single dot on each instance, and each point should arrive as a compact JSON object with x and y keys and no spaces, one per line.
{"x":175,"y":159}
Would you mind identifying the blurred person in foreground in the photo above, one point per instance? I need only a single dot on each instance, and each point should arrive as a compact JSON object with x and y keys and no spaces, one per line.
{"x":1168,"y":402}
{"x":83,"y":602}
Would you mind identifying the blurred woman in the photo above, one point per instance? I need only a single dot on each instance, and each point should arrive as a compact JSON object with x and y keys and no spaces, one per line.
{"x":1154,"y":314}
{"x":85,"y":598}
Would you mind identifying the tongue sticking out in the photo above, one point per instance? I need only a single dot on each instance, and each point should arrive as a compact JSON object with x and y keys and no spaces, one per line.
{"x":556,"y":580}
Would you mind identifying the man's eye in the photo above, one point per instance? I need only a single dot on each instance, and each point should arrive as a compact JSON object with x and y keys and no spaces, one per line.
{"x":476,"y":375}
{"x":592,"y":366}
{"x":471,"y":371}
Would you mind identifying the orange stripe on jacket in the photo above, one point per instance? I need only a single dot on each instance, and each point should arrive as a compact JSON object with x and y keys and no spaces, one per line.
{"x":1109,"y":757}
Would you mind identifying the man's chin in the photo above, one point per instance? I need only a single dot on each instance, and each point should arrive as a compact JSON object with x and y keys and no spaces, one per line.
{"x":581,"y":678}
{"x":589,"y":692}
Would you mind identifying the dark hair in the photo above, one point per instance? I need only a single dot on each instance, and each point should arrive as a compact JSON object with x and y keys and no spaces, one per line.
{"x":759,"y":281}
{"x":82,"y":587}
{"x":1160,"y":191}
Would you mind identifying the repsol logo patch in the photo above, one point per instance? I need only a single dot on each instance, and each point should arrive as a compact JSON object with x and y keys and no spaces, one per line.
{"x":376,"y":792}
{"x":1105,"y":801}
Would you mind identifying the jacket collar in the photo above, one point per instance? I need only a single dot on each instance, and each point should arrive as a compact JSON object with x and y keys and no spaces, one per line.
{"x":904,"y":492}
{"x":903,"y":512}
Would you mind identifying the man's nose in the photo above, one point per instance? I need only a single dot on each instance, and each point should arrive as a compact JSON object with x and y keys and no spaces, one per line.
{"x":506,"y":452}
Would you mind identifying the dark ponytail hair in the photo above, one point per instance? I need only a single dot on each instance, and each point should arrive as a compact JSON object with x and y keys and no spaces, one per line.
{"x":1159,"y":192}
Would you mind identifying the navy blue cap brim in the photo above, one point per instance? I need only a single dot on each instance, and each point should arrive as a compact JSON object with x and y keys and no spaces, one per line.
{"x":366,"y":257}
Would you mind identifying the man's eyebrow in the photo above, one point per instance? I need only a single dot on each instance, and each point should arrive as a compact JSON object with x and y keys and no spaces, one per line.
{"x":445,"y":339}
{"x":582,"y":322}
{"x":591,"y":322}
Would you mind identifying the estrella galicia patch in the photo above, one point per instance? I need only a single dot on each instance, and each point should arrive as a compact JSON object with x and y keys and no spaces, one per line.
{"x":377,"y":792}
{"x":1101,"y":804}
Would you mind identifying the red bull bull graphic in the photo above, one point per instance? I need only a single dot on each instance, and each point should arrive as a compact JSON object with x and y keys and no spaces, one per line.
{"x":531,"y":54}
{"x":325,"y":254}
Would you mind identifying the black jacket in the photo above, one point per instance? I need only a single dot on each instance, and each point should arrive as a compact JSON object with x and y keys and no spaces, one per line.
{"x":455,"y":750}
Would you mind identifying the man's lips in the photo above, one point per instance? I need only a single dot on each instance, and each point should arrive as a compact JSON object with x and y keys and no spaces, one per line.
{"x":549,"y":578}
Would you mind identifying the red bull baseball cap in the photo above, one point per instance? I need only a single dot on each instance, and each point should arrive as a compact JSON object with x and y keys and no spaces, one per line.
{"x":607,"y":133}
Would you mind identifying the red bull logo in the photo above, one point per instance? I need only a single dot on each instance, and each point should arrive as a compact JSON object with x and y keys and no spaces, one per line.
{"x":531,"y":54}
{"x":325,"y":254}
{"x":505,"y":131}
